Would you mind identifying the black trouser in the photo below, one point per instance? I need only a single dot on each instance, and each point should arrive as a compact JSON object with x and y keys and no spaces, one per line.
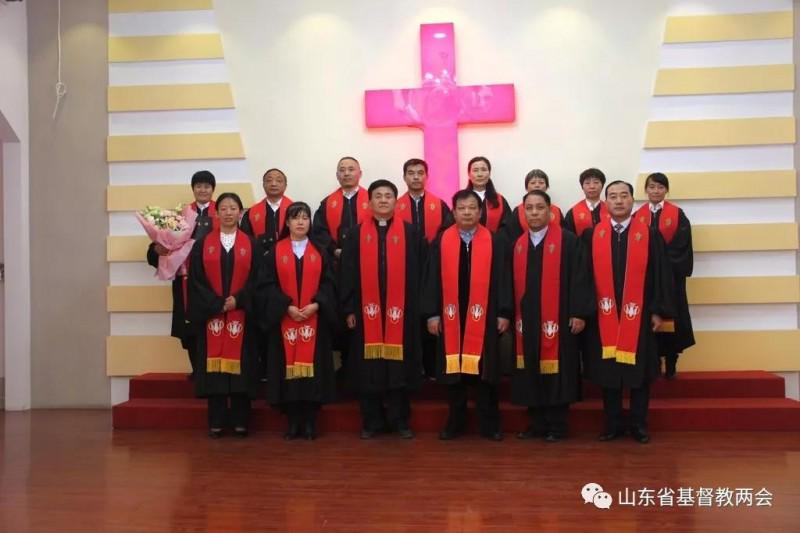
{"x":549,"y":418}
{"x":397,"y":411}
{"x":429,"y":351}
{"x":612,"y":406}
{"x":219,"y":415}
{"x":193,"y":354}
{"x":301,"y":412}
{"x":486,"y":403}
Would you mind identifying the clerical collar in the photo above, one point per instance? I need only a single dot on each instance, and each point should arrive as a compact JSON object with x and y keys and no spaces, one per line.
{"x":591,"y":205}
{"x":537,"y":236}
{"x":275,"y":206}
{"x":350,"y":194}
{"x":655,"y":208}
{"x":383,"y":223}
{"x":482,"y":193}
{"x":299,"y":247}
{"x":201,"y":207}
{"x":625,"y":223}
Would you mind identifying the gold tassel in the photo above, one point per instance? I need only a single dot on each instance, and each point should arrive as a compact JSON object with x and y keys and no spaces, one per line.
{"x":372,"y":351}
{"x":520,"y":361}
{"x":627,"y":358}
{"x":548,"y":367}
{"x":453,"y":366}
{"x":231,"y":366}
{"x":469,"y":364}
{"x":213,"y":364}
{"x":393,"y":352}
{"x":304,"y":370}
{"x":337,"y":360}
{"x":609,"y":352}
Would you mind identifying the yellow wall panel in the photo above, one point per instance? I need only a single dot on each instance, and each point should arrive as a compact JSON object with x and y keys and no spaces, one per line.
{"x":744,"y":237}
{"x":743,"y":290}
{"x":719,"y":185}
{"x":165,"y":47}
{"x":774,"y":351}
{"x":136,"y":6}
{"x":734,"y":27}
{"x":720,"y":132}
{"x":175,"y":147}
{"x":724,"y":80}
{"x":136,"y":197}
{"x":139,"y":299}
{"x":170,"y":97}
{"x":135,"y":355}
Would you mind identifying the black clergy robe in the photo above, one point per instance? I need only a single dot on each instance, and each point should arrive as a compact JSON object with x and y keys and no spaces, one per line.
{"x":204,"y":303}
{"x":569,"y":218}
{"x":179,"y":328}
{"x":505,"y":219}
{"x":658,"y":299}
{"x":501,"y":304}
{"x":529,"y":387}
{"x":380,"y":375}
{"x":322,"y":387}
{"x":321,"y":231}
{"x":271,"y":232}
{"x":418,"y":214}
{"x":681,"y":257}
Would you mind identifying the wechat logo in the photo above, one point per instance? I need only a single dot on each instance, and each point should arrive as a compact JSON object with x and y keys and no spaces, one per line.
{"x":593,"y":493}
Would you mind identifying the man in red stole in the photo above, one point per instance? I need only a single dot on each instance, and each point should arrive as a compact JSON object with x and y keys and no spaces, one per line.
{"x":203,"y":184}
{"x":468,"y":303}
{"x":553,"y":298}
{"x":343,"y":209}
{"x":264,"y":221}
{"x":380,"y":271}
{"x":633,"y":292}
{"x":591,"y":210}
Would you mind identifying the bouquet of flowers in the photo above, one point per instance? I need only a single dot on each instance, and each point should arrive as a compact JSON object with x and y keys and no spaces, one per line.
{"x":172,"y":229}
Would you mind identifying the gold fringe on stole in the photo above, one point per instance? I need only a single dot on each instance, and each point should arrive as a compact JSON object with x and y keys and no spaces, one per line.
{"x":548,"y":367}
{"x":227,"y":366}
{"x":628,"y":358}
{"x":213,"y":364}
{"x":520,"y":361}
{"x":300,"y":370}
{"x":609,"y":352}
{"x":373,"y":351}
{"x":453,"y":363}
{"x":667,"y":326}
{"x":470,"y":363}
{"x":392,"y":352}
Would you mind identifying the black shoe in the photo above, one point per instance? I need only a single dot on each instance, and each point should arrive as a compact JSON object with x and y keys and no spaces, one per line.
{"x":241,"y":432}
{"x":368,"y":434}
{"x":449,"y":434}
{"x":610,"y":435}
{"x":495,"y":436}
{"x":405,"y":432}
{"x":531,"y":433}
{"x":640,"y":435}
{"x":552,"y":436}
{"x":215,"y":433}
{"x":293,"y":432}
{"x":310,"y":431}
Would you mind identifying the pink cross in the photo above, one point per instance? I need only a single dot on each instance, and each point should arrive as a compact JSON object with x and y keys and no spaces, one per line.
{"x":440,"y":106}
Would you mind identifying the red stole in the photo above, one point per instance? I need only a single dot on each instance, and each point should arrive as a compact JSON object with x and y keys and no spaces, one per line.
{"x":299,"y":338}
{"x":555,"y":216}
{"x":582,"y":216}
{"x":212,"y":214}
{"x":383,"y":339}
{"x":494,"y":214}
{"x":466,"y":357}
{"x":619,"y":335}
{"x":432,"y":209}
{"x":225,"y":331}
{"x":258,"y":216}
{"x":334,"y":205}
{"x":667,"y":222}
{"x":550,"y":296}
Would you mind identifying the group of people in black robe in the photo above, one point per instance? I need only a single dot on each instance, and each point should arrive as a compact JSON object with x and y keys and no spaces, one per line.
{"x":397,"y":289}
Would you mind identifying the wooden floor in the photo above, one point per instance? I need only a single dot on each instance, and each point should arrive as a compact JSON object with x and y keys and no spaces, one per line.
{"x":68,"y":471}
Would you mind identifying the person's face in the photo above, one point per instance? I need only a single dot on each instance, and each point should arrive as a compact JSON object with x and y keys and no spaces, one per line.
{"x":274,"y":183}
{"x":415,"y":178}
{"x":228,"y":212}
{"x":537,"y":212}
{"x":655,"y":192}
{"x":467,"y":213}
{"x":537,"y":184}
{"x":479,"y":174}
{"x":299,"y":225}
{"x":382,"y":202}
{"x":348,"y":173}
{"x":619,"y":201}
{"x":592,"y":188}
{"x":202,"y":192}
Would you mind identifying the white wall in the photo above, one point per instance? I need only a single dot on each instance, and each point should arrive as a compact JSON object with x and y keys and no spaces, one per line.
{"x":14,"y":127}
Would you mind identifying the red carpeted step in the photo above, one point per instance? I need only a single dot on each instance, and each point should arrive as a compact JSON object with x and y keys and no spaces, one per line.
{"x":687,"y":414}
{"x":748,"y":384}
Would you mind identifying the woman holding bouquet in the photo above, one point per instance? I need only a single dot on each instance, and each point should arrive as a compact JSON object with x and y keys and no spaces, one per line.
{"x":222,"y":291}
{"x":300,"y":315}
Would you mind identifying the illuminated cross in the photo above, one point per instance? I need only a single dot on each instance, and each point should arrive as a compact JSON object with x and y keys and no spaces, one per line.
{"x":440,"y":106}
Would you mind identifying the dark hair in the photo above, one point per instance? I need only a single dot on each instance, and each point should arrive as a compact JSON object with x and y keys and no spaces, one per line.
{"x":592,"y":173}
{"x":465,"y":194}
{"x":294,"y":209}
{"x":233,"y":196}
{"x":542,"y":194}
{"x":276,"y":169}
{"x":413,"y":162}
{"x":537,"y":173}
{"x":658,"y":177}
{"x":381,"y":183}
{"x":618,"y":182}
{"x":204,"y":176}
{"x":491,"y":192}
{"x":347,"y":157}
